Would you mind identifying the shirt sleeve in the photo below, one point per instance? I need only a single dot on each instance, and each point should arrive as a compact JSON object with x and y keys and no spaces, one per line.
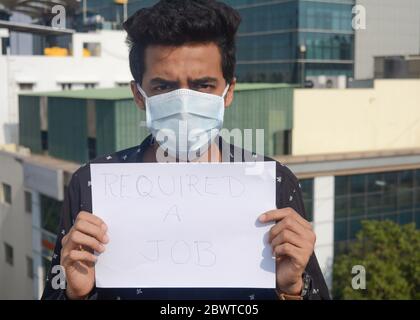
{"x":70,"y":209}
{"x":289,"y":195}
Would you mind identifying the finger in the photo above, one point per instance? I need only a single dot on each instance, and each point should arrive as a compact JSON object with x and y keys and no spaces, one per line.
{"x":289,"y":250}
{"x":92,"y":230}
{"x":288,"y":236}
{"x":79,"y":256}
{"x":279,"y":214}
{"x":289,"y":223}
{"x":83,"y":215}
{"x":77,"y":239}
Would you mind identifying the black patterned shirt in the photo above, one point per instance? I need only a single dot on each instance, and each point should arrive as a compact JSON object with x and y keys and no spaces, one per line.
{"x":79,"y":198}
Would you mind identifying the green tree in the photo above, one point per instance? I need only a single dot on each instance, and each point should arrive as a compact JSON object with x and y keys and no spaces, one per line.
{"x":390,"y":254}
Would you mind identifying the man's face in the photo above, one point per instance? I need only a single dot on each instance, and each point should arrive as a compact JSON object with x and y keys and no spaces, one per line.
{"x":191,"y":66}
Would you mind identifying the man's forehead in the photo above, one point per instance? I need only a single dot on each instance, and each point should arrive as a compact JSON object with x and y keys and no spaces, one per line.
{"x":192,"y":60}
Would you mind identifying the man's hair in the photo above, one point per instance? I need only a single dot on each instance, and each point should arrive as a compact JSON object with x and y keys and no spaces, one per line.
{"x":179,"y":22}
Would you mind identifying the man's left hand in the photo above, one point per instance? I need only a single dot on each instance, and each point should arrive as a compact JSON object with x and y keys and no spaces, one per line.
{"x":292,"y":239}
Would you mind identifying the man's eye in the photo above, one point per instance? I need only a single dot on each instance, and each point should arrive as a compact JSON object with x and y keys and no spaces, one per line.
{"x":160,"y":88}
{"x":204,"y":86}
{"x":163,"y":87}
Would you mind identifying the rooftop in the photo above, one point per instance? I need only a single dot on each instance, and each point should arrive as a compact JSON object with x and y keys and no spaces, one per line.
{"x":124,"y":93}
{"x":351,"y":163}
{"x":309,"y":166}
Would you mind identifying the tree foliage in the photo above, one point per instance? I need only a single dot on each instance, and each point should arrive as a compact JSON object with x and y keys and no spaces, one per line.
{"x":390,"y":254}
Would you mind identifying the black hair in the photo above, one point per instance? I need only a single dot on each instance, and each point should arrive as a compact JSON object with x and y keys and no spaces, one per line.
{"x":178,"y":22}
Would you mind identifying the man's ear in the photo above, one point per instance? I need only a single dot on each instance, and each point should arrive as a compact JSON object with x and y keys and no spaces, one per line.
{"x":138,"y":98}
{"x":230,"y":94}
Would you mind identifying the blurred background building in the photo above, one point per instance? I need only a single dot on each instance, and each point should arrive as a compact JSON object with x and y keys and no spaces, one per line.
{"x":352,"y":135}
{"x":284,"y":41}
{"x":392,"y":29}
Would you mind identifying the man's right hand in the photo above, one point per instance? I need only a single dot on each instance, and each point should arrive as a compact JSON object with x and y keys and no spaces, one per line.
{"x":87,"y":235}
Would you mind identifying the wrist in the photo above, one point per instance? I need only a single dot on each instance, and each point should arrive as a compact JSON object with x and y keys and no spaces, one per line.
{"x":294,"y":289}
{"x":72,"y":296}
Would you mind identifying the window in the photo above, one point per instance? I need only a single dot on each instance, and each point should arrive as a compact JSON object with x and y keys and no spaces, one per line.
{"x":8,"y":250}
{"x":341,"y":207}
{"x":50,"y":214}
{"x":393,"y":196}
{"x":357,"y":184}
{"x":406,"y":217}
{"x":357,"y":206}
{"x":66,"y":86}
{"x":28,"y":202}
{"x":341,"y":185}
{"x":355,"y":227}
{"x":122,"y":84}
{"x":6,"y":193}
{"x":26,"y":86}
{"x":90,"y":85}
{"x":29,"y":267}
{"x":340,"y":231}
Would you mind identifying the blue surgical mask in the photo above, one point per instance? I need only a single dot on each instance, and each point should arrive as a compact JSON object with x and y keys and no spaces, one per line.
{"x":184,"y":121}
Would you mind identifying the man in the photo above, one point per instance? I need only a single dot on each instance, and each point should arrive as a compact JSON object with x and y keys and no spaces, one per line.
{"x":182,"y":55}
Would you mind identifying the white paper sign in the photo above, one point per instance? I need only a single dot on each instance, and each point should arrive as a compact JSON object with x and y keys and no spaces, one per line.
{"x":184,"y":225}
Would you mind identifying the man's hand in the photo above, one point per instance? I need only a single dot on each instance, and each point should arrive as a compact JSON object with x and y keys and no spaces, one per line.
{"x":293,"y":240}
{"x":87,"y":235}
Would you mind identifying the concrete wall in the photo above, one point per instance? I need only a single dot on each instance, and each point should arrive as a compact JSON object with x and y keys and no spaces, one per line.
{"x":392,"y":28}
{"x":16,"y":230}
{"x":386,"y":117}
{"x":324,"y":224}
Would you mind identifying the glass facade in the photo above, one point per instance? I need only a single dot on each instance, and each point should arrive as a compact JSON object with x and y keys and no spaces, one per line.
{"x":391,"y":195}
{"x":270,"y":36}
{"x":272,"y":32}
{"x":308,"y":197}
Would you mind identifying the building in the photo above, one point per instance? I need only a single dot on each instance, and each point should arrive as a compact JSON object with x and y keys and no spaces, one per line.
{"x":357,"y":151}
{"x":270,"y":38}
{"x":31,"y":194}
{"x":392,"y":29}
{"x":96,"y":60}
{"x":273,"y":33}
{"x":385,"y":117}
{"x":16,"y":263}
{"x":343,"y":189}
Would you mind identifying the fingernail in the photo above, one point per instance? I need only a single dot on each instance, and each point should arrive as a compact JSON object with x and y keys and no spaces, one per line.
{"x":101,"y":248}
{"x":262,"y":218}
{"x":106,"y":238}
{"x":104,"y":227}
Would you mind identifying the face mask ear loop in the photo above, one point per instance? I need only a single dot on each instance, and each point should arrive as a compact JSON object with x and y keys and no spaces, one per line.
{"x":144,"y":95}
{"x":226,"y":91}
{"x":141,"y":91}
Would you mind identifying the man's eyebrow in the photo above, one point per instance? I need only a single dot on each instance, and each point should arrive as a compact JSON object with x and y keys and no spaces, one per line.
{"x":204,"y":80}
{"x":162,"y":81}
